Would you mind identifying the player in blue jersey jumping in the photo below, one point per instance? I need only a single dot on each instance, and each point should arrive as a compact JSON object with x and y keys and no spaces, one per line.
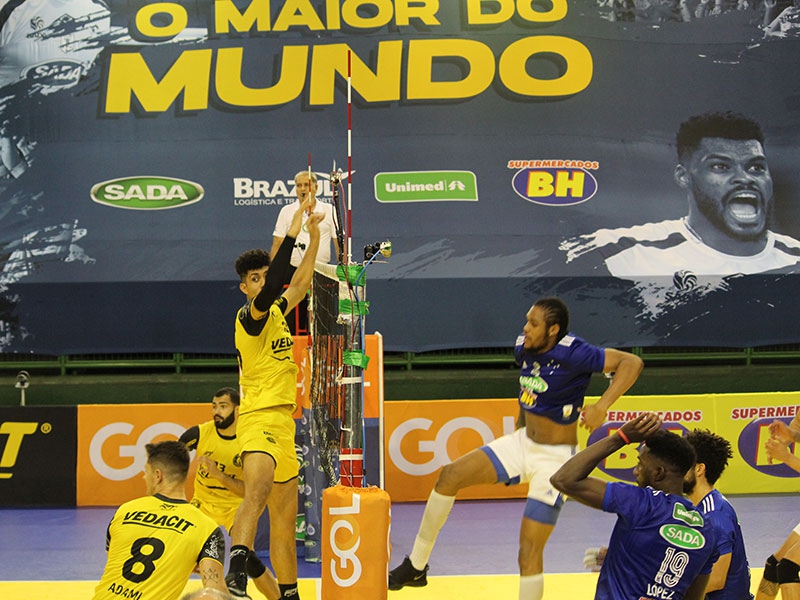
{"x":556,"y":369}
{"x":661,"y":546}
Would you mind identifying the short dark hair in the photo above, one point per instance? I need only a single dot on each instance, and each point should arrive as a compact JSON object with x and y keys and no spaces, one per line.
{"x":727,"y":125}
{"x":252,"y":260}
{"x":555,"y":313}
{"x":171,"y":457}
{"x":228,"y":391}
{"x":712,"y":450}
{"x":672,"y":449}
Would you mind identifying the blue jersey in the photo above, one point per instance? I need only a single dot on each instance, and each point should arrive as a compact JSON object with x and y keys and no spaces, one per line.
{"x":716,"y":508}
{"x":659,"y":545}
{"x":553,"y":384}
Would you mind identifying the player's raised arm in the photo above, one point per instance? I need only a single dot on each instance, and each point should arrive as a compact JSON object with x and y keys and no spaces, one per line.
{"x":301,"y":279}
{"x":279,"y":264}
{"x":626,"y":368}
{"x":573,"y":478}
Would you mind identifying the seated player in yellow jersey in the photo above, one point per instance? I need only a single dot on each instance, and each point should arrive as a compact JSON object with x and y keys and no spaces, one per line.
{"x":268,"y":381}
{"x":218,"y":483}
{"x":154,"y":543}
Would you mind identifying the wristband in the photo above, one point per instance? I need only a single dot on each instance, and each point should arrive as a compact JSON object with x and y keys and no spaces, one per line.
{"x":624,"y":437}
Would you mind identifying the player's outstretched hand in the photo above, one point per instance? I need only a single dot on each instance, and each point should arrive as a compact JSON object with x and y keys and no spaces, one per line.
{"x":780,"y":431}
{"x":592,"y":417}
{"x":640,"y":428}
{"x":593,"y":558}
{"x":313,"y":224}
{"x":778,"y":451}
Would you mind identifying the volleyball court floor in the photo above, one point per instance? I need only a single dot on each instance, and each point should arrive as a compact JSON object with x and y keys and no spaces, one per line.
{"x":60,"y":552}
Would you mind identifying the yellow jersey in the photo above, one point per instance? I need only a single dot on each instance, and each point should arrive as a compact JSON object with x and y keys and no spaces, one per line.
{"x":210,"y":496}
{"x":154,"y":544}
{"x":267,"y":371}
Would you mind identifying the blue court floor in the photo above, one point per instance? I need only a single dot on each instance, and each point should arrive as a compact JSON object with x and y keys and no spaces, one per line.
{"x":480,"y":538}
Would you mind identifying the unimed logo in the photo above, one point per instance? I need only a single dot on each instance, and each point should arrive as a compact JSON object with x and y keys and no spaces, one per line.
{"x":147,"y":193}
{"x":12,"y":435}
{"x":426,"y":186}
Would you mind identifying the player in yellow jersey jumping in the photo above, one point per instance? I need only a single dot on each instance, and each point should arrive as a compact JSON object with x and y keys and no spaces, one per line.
{"x":268,"y":382}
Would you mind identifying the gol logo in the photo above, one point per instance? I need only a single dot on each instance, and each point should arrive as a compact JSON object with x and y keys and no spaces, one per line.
{"x":555,"y":187}
{"x":133,"y":451}
{"x":437,"y":447}
{"x":751,"y":447}
{"x":345,"y":539}
{"x":621,"y":464}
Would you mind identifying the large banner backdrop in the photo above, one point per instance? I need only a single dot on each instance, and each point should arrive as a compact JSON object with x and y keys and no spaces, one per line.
{"x":507,"y":149}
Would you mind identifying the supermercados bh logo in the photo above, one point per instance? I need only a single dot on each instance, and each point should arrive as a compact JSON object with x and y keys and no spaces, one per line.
{"x":147,"y":193}
{"x":621,"y":464}
{"x":755,"y":434}
{"x":554,"y":182}
{"x":426,"y":186}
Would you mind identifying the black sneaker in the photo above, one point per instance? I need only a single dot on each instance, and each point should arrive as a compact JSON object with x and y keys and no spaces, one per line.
{"x":407,"y":575}
{"x":237,"y":585}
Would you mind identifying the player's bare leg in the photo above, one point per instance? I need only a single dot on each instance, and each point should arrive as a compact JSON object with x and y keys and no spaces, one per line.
{"x":258,"y":470}
{"x":775,"y":572}
{"x":474,"y":468}
{"x":282,"y":505}
{"x":533,"y":537}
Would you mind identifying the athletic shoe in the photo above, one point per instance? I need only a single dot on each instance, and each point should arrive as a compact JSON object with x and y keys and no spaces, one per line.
{"x":407,"y":575}
{"x":237,"y":585}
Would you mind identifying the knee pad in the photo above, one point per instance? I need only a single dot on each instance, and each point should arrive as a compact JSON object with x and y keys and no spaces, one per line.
{"x":255,"y":568}
{"x":771,"y":569}
{"x":788,"y":571}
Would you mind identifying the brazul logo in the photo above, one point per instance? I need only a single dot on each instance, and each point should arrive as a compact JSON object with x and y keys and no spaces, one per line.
{"x":263,"y":192}
{"x":426,"y":186}
{"x":554,"y":182}
{"x":147,"y":193}
{"x":15,"y":433}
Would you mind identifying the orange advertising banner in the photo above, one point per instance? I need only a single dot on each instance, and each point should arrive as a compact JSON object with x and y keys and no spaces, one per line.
{"x":111,"y":440}
{"x":424,"y":435}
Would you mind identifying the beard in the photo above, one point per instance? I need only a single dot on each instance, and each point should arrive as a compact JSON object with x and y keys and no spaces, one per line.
{"x":688,"y":486}
{"x":714,"y":211}
{"x":226,"y":422}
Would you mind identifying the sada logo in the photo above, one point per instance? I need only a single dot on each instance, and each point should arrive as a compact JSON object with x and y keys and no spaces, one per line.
{"x":55,"y":74}
{"x":621,"y":464}
{"x":554,"y":182}
{"x":147,"y":193}
{"x":751,"y":447}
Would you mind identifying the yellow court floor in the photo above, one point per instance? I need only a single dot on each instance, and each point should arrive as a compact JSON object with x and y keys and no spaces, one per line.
{"x":558,"y":586}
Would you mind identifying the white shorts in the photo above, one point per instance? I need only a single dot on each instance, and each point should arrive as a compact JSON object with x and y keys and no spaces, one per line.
{"x":518,"y":459}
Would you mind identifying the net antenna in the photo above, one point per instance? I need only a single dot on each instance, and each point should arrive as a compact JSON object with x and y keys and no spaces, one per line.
{"x":335,"y":418}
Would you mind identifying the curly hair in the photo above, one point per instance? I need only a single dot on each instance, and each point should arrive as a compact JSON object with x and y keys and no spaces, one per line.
{"x":712,"y":450}
{"x":252,"y":260}
{"x":727,"y":125}
{"x":672,"y":449}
